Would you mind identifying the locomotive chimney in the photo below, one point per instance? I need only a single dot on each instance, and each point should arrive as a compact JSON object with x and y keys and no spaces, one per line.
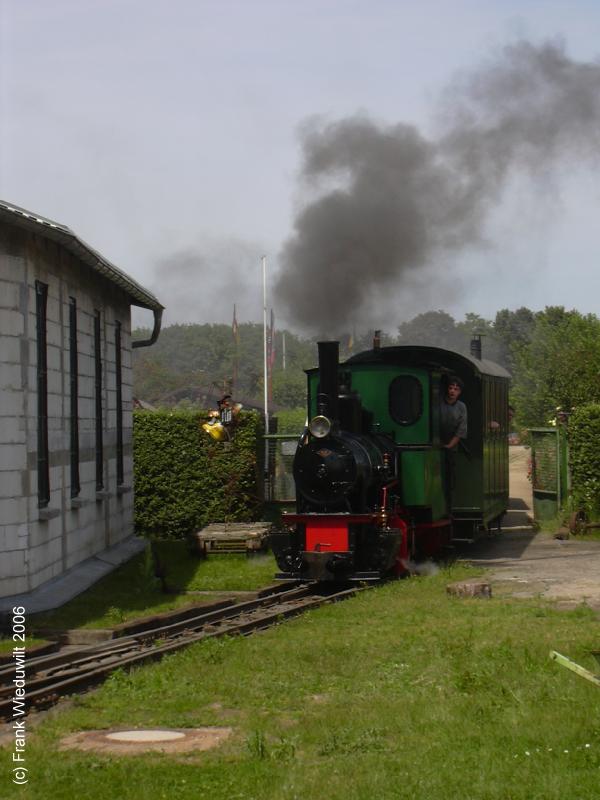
{"x":376,"y":340}
{"x":327,"y":399}
{"x":476,"y":346}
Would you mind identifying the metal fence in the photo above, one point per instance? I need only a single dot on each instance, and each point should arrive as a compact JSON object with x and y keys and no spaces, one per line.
{"x":280,"y":449}
{"x":549,"y":471}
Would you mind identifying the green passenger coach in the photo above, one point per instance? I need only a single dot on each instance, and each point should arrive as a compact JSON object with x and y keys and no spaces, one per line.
{"x":480,"y":480}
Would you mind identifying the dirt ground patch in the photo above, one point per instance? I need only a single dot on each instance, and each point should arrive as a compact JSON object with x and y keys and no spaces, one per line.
{"x":536,"y":565}
{"x":526,"y":564}
{"x":132,"y":742}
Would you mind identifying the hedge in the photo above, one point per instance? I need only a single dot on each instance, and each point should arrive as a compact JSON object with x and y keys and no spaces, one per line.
{"x":291,"y":420}
{"x":184,"y":479}
{"x":584,"y":452}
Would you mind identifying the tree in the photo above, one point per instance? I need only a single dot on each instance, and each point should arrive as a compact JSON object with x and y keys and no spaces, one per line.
{"x":194,"y":357}
{"x":559,"y":367}
{"x":440,"y":329}
{"x":433,"y":328}
{"x":474,"y":324}
{"x":289,"y":388}
{"x":512,"y":331}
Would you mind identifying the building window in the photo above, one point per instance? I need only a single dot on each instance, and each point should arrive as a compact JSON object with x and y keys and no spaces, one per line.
{"x":119,"y":382}
{"x":406,"y":399}
{"x":74,"y":399}
{"x":43,"y":466}
{"x":98,"y":396}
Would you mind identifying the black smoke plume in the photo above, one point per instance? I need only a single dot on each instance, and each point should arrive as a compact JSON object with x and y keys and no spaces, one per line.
{"x":391,"y":203}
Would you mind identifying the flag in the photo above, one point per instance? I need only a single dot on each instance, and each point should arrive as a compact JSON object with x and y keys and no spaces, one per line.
{"x":271,"y":339}
{"x":234,"y":328}
{"x":283,"y":350}
{"x":270,"y":355}
{"x":236,"y":341}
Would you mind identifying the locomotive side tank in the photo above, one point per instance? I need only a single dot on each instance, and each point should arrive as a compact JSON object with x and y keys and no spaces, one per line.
{"x":374,"y":485}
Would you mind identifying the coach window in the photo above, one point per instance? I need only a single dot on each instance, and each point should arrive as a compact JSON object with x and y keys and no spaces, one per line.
{"x":406,"y":399}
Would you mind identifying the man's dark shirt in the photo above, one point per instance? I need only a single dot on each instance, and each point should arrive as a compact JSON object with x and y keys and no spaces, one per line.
{"x":453,"y":420}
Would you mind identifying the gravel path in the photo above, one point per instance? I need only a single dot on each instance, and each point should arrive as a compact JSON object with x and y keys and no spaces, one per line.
{"x":523,"y":563}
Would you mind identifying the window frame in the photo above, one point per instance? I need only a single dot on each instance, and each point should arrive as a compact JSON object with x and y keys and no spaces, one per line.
{"x":98,"y":401}
{"x":74,"y":399}
{"x":43,"y":453}
{"x":393,"y":415}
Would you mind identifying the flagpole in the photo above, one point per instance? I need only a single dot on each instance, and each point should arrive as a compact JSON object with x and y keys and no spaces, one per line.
{"x":265,"y":365}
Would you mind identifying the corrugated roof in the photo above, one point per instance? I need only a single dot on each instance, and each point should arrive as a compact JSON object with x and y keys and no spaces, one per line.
{"x":65,"y":236}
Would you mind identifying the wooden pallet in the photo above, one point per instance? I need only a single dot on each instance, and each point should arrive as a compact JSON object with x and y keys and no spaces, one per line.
{"x":232,"y":537}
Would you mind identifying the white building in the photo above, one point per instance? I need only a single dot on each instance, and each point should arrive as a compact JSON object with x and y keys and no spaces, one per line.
{"x":66,"y":472}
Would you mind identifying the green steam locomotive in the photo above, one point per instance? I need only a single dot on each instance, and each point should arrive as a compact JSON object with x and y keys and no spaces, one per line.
{"x":376,"y":489}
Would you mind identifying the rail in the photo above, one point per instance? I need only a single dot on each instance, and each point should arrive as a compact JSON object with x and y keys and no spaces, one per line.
{"x":59,"y":674}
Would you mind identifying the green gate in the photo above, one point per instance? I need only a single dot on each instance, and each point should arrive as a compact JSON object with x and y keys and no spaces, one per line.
{"x":549,"y":471}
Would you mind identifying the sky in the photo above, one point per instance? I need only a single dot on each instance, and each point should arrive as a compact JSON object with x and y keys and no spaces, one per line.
{"x":169,"y":136}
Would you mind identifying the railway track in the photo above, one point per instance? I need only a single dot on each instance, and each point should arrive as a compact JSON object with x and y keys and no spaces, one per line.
{"x":60,"y":674}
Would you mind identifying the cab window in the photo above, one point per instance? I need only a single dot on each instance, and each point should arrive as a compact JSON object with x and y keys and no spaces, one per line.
{"x":406,"y":399}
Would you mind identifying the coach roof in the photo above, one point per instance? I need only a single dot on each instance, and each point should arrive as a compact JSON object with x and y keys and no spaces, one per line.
{"x":420,"y":354}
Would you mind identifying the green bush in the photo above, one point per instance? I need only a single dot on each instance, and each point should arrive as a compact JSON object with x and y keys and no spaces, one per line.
{"x":291,"y":421}
{"x":184,"y":479}
{"x":584,"y":448}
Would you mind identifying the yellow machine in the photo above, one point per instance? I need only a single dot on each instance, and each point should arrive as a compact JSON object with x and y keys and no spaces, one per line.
{"x":215,"y":428}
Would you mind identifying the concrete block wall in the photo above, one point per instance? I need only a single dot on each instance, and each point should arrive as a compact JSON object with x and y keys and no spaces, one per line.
{"x":14,"y":484}
{"x":34,"y":549}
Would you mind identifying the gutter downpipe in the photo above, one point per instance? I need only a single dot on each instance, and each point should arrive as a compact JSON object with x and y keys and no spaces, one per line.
{"x":155,"y":331}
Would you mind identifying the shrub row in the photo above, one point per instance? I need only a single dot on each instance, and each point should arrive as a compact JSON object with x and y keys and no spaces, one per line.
{"x":291,"y":420}
{"x":184,"y":479}
{"x":584,"y":451}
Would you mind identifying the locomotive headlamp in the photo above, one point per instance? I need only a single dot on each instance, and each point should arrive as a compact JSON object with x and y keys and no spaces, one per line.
{"x":320,"y":426}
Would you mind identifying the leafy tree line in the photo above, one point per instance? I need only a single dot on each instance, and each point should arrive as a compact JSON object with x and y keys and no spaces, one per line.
{"x":553,"y":356}
{"x":188,"y":360}
{"x":558,"y":368}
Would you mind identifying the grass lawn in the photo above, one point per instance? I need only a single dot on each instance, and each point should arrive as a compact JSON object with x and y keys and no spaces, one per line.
{"x":132,"y":591}
{"x":7,"y":644}
{"x":401,"y":692}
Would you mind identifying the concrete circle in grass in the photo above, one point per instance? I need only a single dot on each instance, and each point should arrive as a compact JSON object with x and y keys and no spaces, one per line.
{"x":145,"y":736}
{"x":132,"y":741}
